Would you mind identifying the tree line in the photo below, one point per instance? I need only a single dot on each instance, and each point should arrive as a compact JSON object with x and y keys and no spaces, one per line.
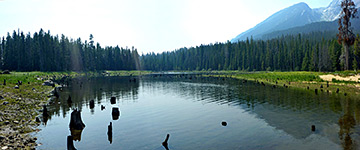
{"x":42,"y":51}
{"x":302,"y":52}
{"x":45,"y":52}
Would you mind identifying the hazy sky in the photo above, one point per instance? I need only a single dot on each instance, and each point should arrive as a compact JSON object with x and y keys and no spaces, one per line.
{"x":149,"y":25}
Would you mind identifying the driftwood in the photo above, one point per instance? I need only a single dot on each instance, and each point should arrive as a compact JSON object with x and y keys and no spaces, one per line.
{"x":115,"y":113}
{"x":165,"y":143}
{"x":75,"y":121}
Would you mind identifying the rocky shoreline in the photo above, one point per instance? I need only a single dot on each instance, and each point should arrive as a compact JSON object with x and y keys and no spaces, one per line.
{"x":18,"y":111}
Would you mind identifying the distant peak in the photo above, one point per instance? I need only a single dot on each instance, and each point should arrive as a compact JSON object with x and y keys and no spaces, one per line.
{"x":301,"y":4}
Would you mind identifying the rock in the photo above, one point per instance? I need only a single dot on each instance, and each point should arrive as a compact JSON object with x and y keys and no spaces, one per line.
{"x":48,"y":83}
{"x":4,"y":147}
{"x":16,"y":122}
{"x":5,"y":103}
{"x":16,"y":87}
{"x":6,"y":122}
{"x":37,"y":119}
{"x":6,"y":72}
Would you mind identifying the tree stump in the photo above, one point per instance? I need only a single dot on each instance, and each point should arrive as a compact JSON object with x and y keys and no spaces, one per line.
{"x":75,"y":120}
{"x":115,"y":113}
{"x":113,"y":100}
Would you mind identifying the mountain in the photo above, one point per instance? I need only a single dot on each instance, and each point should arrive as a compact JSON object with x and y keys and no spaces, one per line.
{"x":294,"y":18}
{"x":327,"y":29}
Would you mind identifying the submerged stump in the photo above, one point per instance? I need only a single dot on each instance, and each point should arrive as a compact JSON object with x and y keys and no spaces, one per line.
{"x":75,"y":121}
{"x":115,"y":113}
{"x":113,"y":100}
{"x":92,"y":104}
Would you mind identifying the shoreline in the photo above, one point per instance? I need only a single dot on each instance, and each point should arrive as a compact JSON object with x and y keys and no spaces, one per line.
{"x":20,"y":107}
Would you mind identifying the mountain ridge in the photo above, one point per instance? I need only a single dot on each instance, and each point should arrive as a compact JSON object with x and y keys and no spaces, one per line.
{"x":295,"y":16}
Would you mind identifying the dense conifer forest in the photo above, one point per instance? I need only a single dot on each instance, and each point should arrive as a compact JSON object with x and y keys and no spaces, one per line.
{"x":42,"y":51}
{"x":45,"y":52}
{"x":310,"y":52}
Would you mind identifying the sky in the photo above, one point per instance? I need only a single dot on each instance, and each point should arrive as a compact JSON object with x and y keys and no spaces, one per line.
{"x":148,"y":25}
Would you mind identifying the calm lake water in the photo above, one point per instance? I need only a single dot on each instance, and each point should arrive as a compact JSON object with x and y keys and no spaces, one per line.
{"x":192,"y":112}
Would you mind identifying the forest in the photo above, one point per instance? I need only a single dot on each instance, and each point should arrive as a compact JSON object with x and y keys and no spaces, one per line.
{"x":316,"y":51}
{"x":44,"y":52}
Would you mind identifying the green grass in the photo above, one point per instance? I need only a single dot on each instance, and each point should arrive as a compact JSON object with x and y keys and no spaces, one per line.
{"x":299,"y":79}
{"x":282,"y":76}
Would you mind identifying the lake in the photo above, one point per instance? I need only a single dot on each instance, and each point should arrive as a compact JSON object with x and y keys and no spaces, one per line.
{"x":192,"y":109}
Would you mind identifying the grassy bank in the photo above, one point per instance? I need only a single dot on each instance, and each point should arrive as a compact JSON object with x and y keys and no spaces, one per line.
{"x":301,"y":80}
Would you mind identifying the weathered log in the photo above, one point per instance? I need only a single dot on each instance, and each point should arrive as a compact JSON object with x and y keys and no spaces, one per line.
{"x":165,"y":143}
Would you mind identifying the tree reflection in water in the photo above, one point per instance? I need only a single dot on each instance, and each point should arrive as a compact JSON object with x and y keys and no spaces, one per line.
{"x":347,"y":123}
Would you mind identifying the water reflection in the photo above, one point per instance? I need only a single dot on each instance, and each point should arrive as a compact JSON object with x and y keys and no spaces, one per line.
{"x":291,"y":111}
{"x":70,"y":143}
{"x":347,"y":123}
{"x":109,"y":132}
